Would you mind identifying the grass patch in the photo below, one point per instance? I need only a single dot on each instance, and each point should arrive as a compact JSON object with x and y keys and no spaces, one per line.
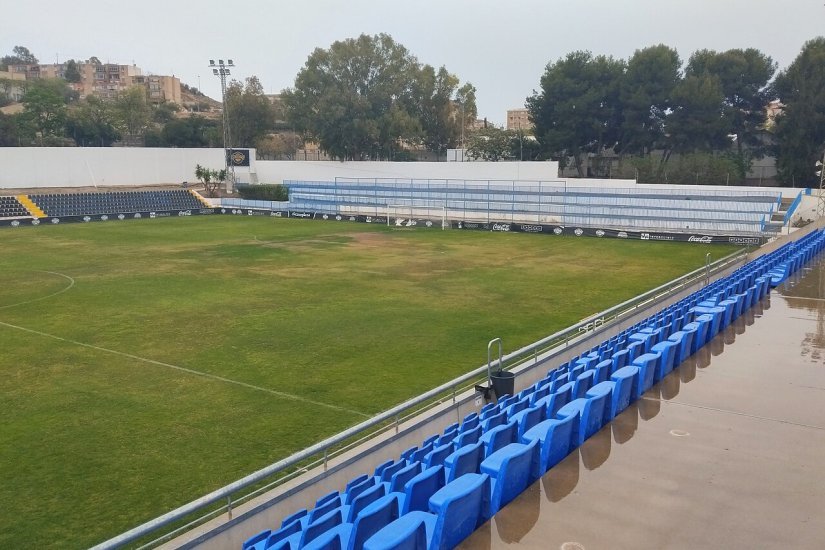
{"x":354,"y":316}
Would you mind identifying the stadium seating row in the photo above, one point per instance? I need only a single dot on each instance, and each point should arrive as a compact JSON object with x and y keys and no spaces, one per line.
{"x":80,"y":204}
{"x":10,"y":207}
{"x":666,"y":209}
{"x":437,"y":493}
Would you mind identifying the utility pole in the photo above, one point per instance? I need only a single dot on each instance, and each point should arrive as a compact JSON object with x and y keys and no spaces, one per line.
{"x":222,"y":70}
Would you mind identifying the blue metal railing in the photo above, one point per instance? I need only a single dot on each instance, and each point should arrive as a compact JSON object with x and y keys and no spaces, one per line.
{"x":791,"y":209}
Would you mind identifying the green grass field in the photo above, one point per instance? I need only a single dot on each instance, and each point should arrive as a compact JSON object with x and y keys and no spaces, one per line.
{"x":300,"y":328}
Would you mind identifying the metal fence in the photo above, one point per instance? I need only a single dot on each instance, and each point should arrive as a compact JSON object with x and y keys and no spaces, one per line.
{"x":320,"y":453}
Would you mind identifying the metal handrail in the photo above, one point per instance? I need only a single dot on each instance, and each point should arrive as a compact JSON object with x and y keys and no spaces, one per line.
{"x":527,"y":352}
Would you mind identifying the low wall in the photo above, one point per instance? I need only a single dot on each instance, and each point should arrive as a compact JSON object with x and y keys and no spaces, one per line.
{"x":276,"y":171}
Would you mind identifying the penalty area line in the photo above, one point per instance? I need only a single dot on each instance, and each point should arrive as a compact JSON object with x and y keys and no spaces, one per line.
{"x":189,"y":371}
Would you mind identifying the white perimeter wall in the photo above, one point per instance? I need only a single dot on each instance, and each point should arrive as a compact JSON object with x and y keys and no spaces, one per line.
{"x":28,"y":167}
{"x":276,"y":171}
{"x":33,"y":167}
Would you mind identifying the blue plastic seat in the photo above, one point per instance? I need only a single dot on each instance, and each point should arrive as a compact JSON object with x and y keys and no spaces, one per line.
{"x":437,"y":456}
{"x":334,"y":495}
{"x":517,"y":407}
{"x":399,"y":479}
{"x":634,"y":350}
{"x":554,"y":437}
{"x":583,"y":383}
{"x":493,"y":421}
{"x":419,"y":489}
{"x":369,"y":521}
{"x":684,"y":341}
{"x":528,"y":418}
{"x":326,"y":508}
{"x":646,"y":340}
{"x":540,"y":393}
{"x":388,"y":471}
{"x":467,"y":438}
{"x":667,"y":349}
{"x":405,"y":455}
{"x":499,"y":437}
{"x":602,"y":391}
{"x":510,"y":470}
{"x":320,"y":526}
{"x":353,"y":492}
{"x":590,"y":414}
{"x":419,"y":455}
{"x":256,"y":540}
{"x":457,"y":510}
{"x":470,"y":422}
{"x":365,"y":499}
{"x":625,"y":390}
{"x":291,"y":531}
{"x":463,"y":461}
{"x":603,"y":371}
{"x":300,"y":514}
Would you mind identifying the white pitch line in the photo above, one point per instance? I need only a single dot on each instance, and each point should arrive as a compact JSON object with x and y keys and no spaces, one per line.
{"x":71,"y":284}
{"x":190,"y":371}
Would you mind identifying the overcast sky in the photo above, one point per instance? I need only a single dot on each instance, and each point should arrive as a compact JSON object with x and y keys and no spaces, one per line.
{"x":500,"y":46}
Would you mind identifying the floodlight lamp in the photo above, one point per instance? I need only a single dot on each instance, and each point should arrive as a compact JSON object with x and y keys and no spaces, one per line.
{"x":818,"y":163}
{"x":211,"y":62}
{"x":819,"y":173}
{"x":220,"y":62}
{"x":215,"y":71}
{"x":227,"y":71}
{"x":229,"y":62}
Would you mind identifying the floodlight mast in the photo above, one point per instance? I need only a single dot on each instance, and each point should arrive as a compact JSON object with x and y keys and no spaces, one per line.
{"x":222,"y":70}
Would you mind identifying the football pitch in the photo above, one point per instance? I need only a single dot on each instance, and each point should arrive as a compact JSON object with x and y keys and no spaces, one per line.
{"x":146,"y":363}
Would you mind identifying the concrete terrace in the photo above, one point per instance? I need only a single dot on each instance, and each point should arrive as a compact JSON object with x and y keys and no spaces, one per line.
{"x":725,"y":452}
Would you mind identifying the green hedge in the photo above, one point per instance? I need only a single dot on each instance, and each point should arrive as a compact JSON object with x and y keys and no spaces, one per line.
{"x":264,"y":192}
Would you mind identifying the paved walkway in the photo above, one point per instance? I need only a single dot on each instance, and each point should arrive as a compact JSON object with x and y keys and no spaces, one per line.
{"x":728,"y":451}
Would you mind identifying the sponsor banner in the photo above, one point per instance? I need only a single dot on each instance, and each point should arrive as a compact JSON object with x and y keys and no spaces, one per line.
{"x":57,"y":220}
{"x":574,"y":231}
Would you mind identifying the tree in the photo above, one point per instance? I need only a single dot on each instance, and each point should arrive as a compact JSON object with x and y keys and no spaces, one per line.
{"x":94,"y":61}
{"x":250,"y":112}
{"x":45,"y":109}
{"x":93,"y":123}
{"x":355,"y":99}
{"x":132,"y":112}
{"x":744,"y":77}
{"x":193,"y":131}
{"x":577,"y":110}
{"x":165,"y":111}
{"x":696,"y":123}
{"x":800,"y":128}
{"x":8,"y":131}
{"x":211,"y":179}
{"x":20,"y":56}
{"x":279,"y":145}
{"x":442,"y":107}
{"x":72,"y":73}
{"x":491,"y":144}
{"x":652,"y":74}
{"x":57,"y":86}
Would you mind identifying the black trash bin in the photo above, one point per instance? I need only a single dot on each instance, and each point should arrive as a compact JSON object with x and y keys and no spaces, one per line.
{"x":504,"y":383}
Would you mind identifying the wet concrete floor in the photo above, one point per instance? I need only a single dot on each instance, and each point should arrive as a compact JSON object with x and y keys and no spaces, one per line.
{"x":728,"y":451}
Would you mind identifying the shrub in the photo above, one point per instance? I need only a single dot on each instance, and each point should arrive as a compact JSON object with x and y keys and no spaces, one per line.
{"x":264,"y":192}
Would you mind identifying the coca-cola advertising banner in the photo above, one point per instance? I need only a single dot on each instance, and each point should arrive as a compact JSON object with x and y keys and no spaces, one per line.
{"x":576,"y":231}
